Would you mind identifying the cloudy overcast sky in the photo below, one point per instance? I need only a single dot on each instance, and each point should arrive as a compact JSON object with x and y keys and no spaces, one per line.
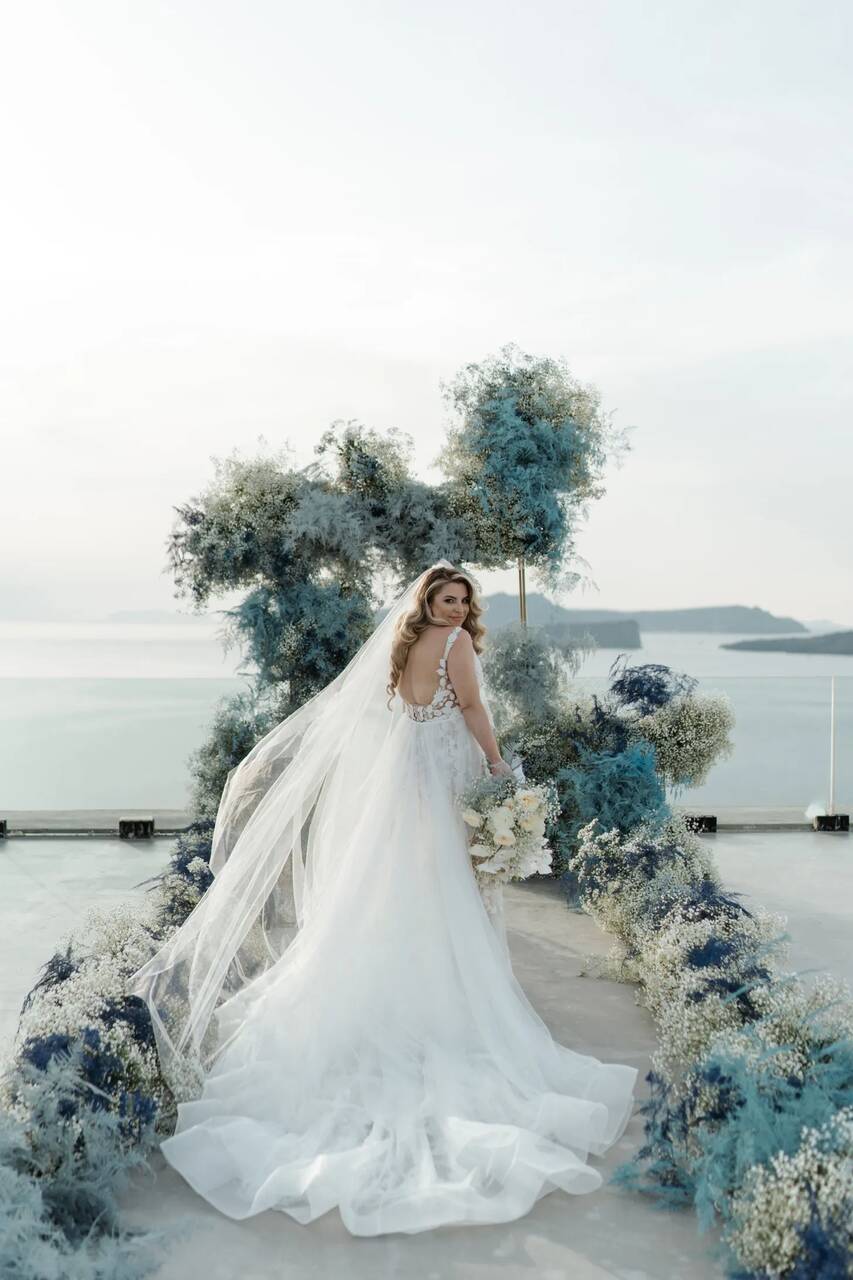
{"x":225,"y":222}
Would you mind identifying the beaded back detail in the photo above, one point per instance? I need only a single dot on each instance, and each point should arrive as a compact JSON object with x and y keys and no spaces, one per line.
{"x":444,"y":699}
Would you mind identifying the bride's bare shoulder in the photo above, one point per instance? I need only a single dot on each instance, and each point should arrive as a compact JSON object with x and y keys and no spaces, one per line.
{"x":426,"y":639}
{"x":463,"y":641}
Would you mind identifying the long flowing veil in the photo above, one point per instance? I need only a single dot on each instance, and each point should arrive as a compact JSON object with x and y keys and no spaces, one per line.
{"x":279,"y":835}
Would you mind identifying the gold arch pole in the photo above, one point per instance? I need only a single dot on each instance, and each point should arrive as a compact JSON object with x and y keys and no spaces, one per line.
{"x":522,"y":592}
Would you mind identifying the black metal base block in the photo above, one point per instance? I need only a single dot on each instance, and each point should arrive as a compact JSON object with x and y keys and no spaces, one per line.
{"x":831,"y":822}
{"x":135,"y":828}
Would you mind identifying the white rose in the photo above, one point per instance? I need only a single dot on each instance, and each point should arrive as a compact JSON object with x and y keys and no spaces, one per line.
{"x":472,"y":817}
{"x":501,"y":818}
{"x":528,"y":799}
{"x":504,"y":838}
{"x":480,"y":851}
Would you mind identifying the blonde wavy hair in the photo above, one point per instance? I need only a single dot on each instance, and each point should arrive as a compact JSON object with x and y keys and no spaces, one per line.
{"x":411,"y":624}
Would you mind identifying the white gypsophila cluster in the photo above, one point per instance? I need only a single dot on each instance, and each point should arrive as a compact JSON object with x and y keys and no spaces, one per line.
{"x":621,"y":907}
{"x":108,"y":947}
{"x":123,"y":932}
{"x":511,"y":842}
{"x":685,"y":1031}
{"x":690,"y":733}
{"x":181,"y":892}
{"x":614,"y":911}
{"x":773,"y":1203}
{"x":595,"y":845}
{"x":185,"y":1078}
{"x":686,"y":1026}
{"x":617,"y":965}
{"x":793,"y":1022}
{"x":793,"y":1018}
{"x":610,"y":904}
{"x":664,"y":951}
{"x":11,"y":1101}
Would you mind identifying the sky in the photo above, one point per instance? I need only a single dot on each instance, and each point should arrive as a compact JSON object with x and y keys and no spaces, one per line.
{"x":224,"y":226}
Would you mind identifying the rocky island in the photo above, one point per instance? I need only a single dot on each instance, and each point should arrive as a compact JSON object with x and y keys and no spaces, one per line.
{"x":837,"y":642}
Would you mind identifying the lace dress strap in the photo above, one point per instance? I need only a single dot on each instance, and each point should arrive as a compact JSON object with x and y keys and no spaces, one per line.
{"x":454,"y":633}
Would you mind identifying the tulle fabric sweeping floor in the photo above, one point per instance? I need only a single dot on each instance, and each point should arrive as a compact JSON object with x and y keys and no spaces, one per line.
{"x":389,"y":1064}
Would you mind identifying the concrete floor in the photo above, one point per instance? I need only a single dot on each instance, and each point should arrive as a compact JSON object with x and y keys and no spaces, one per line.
{"x":808,"y":876}
{"x":46,"y":886}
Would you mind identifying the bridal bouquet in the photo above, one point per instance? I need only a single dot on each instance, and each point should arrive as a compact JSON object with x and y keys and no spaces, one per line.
{"x":508,"y":819}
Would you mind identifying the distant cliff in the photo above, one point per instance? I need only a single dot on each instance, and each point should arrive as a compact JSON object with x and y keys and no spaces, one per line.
{"x":836,"y":642}
{"x":733,"y":619}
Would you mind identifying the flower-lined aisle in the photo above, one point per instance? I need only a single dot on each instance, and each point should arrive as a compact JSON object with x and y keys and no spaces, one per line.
{"x":750,"y":1113}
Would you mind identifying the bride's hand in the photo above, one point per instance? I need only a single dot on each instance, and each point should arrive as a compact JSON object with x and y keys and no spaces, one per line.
{"x":499,"y":768}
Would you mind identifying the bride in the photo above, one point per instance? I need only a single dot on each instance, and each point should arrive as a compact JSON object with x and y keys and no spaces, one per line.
{"x":338,"y":1015}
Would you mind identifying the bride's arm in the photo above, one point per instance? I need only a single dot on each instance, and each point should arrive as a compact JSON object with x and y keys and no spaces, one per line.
{"x":463,"y":677}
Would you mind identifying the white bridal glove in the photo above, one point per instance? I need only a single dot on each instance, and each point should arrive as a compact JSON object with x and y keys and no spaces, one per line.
{"x":500,"y":768}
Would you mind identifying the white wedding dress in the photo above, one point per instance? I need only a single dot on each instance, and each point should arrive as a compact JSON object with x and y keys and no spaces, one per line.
{"x":388,"y":1064}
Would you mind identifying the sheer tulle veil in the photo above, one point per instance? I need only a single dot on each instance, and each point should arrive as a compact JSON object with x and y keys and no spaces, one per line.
{"x":278,"y":839}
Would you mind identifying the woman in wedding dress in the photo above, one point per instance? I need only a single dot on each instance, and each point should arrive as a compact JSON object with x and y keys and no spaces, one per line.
{"x":339,"y":1012}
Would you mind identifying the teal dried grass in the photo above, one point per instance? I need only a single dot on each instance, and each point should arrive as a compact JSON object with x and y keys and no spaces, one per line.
{"x":527,"y":455}
{"x":61,"y":1172}
{"x":303,"y":636}
{"x":621,"y":791}
{"x":760,"y":1113}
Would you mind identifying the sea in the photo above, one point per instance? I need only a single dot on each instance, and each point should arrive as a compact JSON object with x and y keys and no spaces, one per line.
{"x":106,"y":715}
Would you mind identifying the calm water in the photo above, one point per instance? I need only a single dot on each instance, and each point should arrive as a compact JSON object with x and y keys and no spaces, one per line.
{"x":105,"y":715}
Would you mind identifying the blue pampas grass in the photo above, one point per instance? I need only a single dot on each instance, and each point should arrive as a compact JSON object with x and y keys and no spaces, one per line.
{"x":823,"y":1255}
{"x":657,"y":1168}
{"x":100,"y":1073}
{"x":710,"y":954}
{"x":99,"y":1068}
{"x":735,"y":987}
{"x":38,"y":1051}
{"x":55,"y":970}
{"x":599,"y":729}
{"x":648,"y":687}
